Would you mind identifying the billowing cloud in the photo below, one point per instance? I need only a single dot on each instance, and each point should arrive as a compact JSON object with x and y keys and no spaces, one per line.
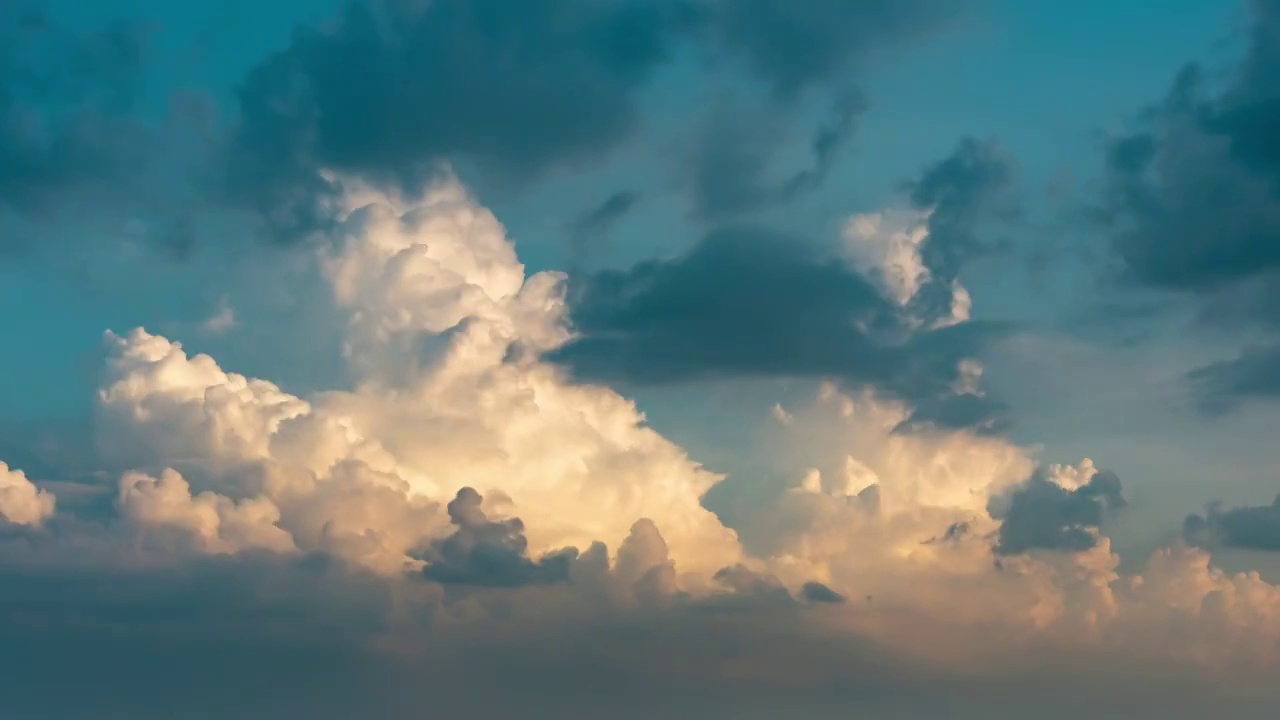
{"x":489,"y":552}
{"x":1253,"y":374}
{"x":21,"y":502}
{"x":443,"y":334}
{"x":1046,"y":514}
{"x":466,"y":509}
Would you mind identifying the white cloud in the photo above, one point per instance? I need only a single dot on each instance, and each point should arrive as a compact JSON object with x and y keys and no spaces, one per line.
{"x":222,"y":320}
{"x":902,"y":524}
{"x":438,"y":311}
{"x":217,"y":523}
{"x":886,"y":247}
{"x":21,"y":502}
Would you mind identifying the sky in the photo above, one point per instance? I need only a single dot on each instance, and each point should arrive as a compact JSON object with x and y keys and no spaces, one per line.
{"x":639,"y":359}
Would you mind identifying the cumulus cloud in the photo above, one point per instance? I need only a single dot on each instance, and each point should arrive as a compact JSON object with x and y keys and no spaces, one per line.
{"x":21,"y":502}
{"x":490,"y":552}
{"x":214,"y":522}
{"x":1044,"y":513}
{"x":443,"y":330}
{"x":960,"y":527}
{"x":465,"y":507}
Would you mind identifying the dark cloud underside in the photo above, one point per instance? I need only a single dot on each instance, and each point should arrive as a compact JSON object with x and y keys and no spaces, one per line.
{"x":1044,"y":515}
{"x":750,"y":302}
{"x":1254,"y":527}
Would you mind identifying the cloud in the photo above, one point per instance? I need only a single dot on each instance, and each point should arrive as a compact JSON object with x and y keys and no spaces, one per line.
{"x":751,"y":302}
{"x":1193,"y":200}
{"x":732,"y":158}
{"x":1193,"y":191}
{"x":215,"y":523}
{"x":21,"y":502}
{"x":798,"y":44}
{"x":68,"y":140}
{"x":973,"y":184}
{"x":593,"y":226}
{"x":1045,"y":513}
{"x":490,"y":553}
{"x":375,"y":527}
{"x":817,"y":592}
{"x":84,"y":161}
{"x":397,"y":87}
{"x":443,"y":332}
{"x":65,"y":102}
{"x":365,"y":97}
{"x":1254,"y":373}
{"x":1255,"y":527}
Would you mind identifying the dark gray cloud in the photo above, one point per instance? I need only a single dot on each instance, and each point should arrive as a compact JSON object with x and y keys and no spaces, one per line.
{"x":731,"y":163}
{"x":92,"y":626}
{"x":259,"y":638}
{"x":397,"y":86}
{"x":797,"y":44}
{"x":514,"y":90}
{"x":591,"y":228}
{"x":1193,"y":195}
{"x":1040,"y":514}
{"x":814,"y":591}
{"x":490,"y":553}
{"x":751,"y":302}
{"x":967,"y":189}
{"x":748,"y":301}
{"x":68,"y":138}
{"x":1254,"y":373}
{"x":1255,"y":527}
{"x":980,"y":413}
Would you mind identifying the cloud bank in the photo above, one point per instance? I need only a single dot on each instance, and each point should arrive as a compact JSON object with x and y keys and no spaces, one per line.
{"x":467,"y":507}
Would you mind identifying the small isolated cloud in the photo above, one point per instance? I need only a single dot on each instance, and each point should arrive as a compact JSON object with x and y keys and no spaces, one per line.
{"x":21,"y":502}
{"x":221,"y":321}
